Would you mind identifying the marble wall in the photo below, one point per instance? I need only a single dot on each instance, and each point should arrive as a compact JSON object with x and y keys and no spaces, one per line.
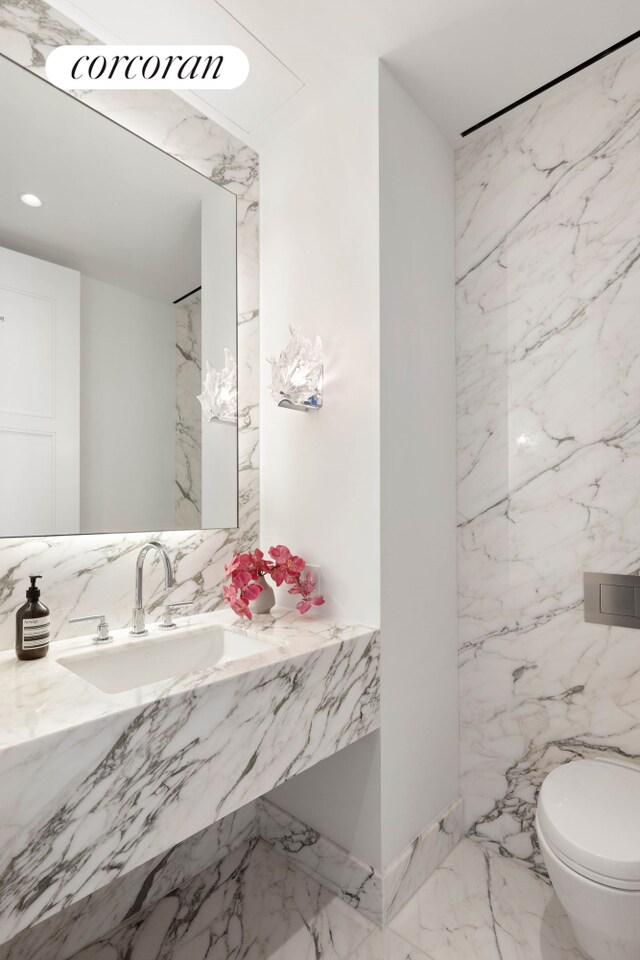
{"x":189,"y":413}
{"x":94,"y":574}
{"x":548,"y":281}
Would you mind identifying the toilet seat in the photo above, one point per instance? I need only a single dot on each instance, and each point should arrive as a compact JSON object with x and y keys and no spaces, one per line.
{"x":589,"y":815}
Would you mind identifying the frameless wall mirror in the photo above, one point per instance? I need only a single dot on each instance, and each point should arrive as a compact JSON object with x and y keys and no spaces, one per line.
{"x":117,"y":289}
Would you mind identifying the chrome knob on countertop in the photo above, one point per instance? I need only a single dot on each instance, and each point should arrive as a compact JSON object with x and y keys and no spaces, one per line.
{"x":102,"y":633}
{"x":166,"y":621}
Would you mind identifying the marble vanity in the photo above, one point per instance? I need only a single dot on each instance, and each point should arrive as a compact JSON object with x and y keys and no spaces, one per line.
{"x":95,"y":783}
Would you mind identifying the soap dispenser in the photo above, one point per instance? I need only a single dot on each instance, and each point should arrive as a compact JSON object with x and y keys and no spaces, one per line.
{"x":33,"y":626}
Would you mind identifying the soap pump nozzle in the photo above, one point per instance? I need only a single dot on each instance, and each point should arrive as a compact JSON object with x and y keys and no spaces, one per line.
{"x":33,"y":593}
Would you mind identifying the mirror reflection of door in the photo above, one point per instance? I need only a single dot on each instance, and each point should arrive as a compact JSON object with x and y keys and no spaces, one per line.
{"x":39,"y":396}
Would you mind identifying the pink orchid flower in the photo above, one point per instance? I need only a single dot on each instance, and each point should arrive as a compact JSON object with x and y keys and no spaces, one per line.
{"x":287,"y":568}
{"x":252,"y":591}
{"x":304,"y":605}
{"x":246,"y":568}
{"x":305,"y":587}
{"x":236,"y":602}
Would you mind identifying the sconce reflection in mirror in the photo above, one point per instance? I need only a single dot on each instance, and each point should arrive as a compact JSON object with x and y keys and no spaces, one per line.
{"x":219,"y":397}
{"x":297,"y":374}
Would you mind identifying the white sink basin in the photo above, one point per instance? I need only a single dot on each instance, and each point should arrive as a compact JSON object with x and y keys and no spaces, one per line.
{"x":140,"y":661}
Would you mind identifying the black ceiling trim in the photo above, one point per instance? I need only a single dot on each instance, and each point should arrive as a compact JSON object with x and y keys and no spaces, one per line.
{"x":185,"y":295}
{"x":552,"y":83}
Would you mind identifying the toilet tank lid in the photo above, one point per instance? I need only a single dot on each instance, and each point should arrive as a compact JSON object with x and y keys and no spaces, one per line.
{"x":589,"y":810}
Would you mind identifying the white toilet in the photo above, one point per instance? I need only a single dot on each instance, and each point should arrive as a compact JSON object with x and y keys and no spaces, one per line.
{"x":588,"y":824}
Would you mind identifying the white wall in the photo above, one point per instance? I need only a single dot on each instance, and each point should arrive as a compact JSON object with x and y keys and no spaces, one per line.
{"x":320,"y":472}
{"x":319,"y":270}
{"x":364,"y":255}
{"x":419,"y":723}
{"x":127,"y":410}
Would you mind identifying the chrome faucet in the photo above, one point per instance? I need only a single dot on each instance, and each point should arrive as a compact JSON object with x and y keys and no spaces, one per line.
{"x":139,"y":629}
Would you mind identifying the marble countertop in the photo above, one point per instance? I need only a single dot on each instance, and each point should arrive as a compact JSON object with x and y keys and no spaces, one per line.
{"x":41,"y":697}
{"x":94,"y":784}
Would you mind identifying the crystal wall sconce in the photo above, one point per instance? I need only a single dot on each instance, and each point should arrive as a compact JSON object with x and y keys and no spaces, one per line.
{"x":219,"y":397}
{"x":297,"y":374}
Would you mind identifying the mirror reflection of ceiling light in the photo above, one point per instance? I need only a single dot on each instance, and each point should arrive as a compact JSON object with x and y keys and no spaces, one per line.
{"x":31,"y":200}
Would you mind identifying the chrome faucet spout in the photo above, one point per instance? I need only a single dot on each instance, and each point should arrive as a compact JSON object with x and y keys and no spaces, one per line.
{"x":139,"y":628}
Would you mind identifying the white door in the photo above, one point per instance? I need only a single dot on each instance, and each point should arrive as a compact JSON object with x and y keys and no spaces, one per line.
{"x":39,"y":397}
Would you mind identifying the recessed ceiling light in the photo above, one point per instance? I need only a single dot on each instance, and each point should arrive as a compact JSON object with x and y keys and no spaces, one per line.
{"x":31,"y":200}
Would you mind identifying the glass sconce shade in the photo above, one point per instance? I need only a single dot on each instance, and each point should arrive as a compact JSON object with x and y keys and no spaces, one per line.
{"x":297,"y":374}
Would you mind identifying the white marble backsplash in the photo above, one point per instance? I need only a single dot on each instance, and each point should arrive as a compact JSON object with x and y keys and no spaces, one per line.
{"x":548,"y":247}
{"x":94,"y":574}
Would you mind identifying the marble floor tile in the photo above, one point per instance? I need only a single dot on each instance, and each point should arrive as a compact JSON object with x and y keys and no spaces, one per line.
{"x":481,"y":905}
{"x":387,"y":945}
{"x":289,"y":916}
{"x":257,"y":906}
{"x":202,"y":918}
{"x":253,"y":906}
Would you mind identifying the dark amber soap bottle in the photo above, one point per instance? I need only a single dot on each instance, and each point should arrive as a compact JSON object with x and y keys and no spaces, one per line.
{"x":33,"y":626}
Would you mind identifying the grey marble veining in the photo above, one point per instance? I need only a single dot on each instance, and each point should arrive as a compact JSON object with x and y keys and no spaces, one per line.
{"x":189,"y":413}
{"x":257,"y":906}
{"x":116,"y":779}
{"x":68,"y":932}
{"x":478,"y":905}
{"x":95,"y":573}
{"x":548,"y":440}
{"x":387,"y":945}
{"x":253,"y":906}
{"x":204,"y":918}
{"x":339,"y":871}
{"x":30,"y":29}
{"x":378,"y":895}
{"x":410,"y":870}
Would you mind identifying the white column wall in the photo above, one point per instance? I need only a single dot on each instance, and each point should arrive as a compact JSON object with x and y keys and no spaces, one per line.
{"x":371,"y":288}
{"x":319,"y":490}
{"x":419,"y":719}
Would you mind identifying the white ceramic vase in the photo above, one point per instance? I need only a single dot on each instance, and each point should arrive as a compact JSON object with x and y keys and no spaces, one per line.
{"x":264,"y":603}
